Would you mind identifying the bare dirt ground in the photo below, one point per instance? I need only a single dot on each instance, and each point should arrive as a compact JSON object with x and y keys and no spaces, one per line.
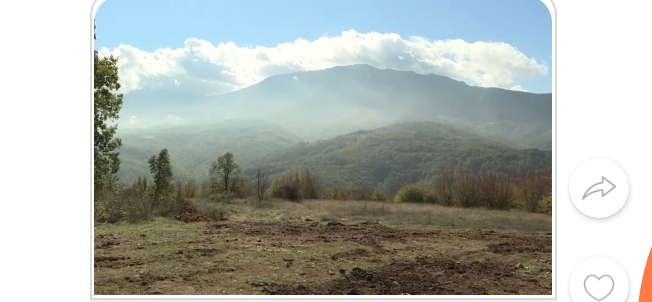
{"x":258,"y":254}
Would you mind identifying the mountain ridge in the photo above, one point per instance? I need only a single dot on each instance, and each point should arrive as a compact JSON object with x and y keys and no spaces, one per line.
{"x":389,"y":157}
{"x":346,"y":98}
{"x":309,"y":106}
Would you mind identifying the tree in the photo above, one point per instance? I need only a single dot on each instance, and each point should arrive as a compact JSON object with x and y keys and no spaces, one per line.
{"x":444,"y":182}
{"x":161,"y":168}
{"x":309,"y":185}
{"x":107,"y":105}
{"x":141,"y":187}
{"x":466,"y":188}
{"x":261,"y":184}
{"x":546,"y":202}
{"x":534,"y":184}
{"x":190,"y":188}
{"x":222,"y":171}
{"x":178,"y":188}
{"x":495,"y":190}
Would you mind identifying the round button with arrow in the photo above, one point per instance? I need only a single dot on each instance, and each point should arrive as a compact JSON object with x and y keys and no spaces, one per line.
{"x":604,"y":187}
{"x":599,"y":188}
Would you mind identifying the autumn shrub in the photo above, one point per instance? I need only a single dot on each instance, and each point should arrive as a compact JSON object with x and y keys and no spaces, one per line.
{"x":295,"y":186}
{"x":545,"y":205}
{"x":379,"y":196}
{"x":411,"y":193}
{"x":108,"y":207}
{"x":332,"y":194}
{"x":362,"y":193}
{"x":170,"y":207}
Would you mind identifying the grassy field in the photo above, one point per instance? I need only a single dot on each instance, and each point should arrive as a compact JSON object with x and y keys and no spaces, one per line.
{"x":328,"y":247}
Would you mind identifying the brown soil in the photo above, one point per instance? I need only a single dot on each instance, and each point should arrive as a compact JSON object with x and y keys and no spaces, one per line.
{"x":190,"y":213}
{"x":422,"y":276}
{"x":369,"y":259}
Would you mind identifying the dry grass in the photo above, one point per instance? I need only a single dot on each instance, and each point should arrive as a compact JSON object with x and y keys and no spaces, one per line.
{"x":396,"y":214}
{"x":293,"y":244}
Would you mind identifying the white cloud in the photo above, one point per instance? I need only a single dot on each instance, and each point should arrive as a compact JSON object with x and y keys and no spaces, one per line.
{"x":295,"y":78}
{"x":212,"y":69}
{"x":133,"y":120}
{"x":173,"y":117}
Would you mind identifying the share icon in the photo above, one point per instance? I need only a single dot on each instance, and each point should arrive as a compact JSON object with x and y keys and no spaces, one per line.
{"x":604,"y":186}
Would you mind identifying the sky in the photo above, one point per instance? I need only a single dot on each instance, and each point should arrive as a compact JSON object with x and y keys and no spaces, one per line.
{"x":217,"y":46}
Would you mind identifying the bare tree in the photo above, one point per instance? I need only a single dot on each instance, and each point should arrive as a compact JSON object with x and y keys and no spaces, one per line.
{"x":261,"y":184}
{"x":533,"y":185}
{"x":309,"y":185}
{"x":466,"y":189}
{"x":444,"y":187}
{"x":495,"y":190}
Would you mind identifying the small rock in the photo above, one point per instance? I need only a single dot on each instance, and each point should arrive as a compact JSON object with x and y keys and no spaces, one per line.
{"x":342,"y":271}
{"x":143,"y":235}
{"x":519,"y":266}
{"x":331,"y":273}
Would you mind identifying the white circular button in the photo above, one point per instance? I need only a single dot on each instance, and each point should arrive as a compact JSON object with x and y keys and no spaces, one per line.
{"x":599,"y":188}
{"x":599,"y":279}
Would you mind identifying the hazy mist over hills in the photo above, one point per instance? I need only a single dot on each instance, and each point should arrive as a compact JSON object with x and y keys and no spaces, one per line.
{"x":319,"y":104}
{"x":283,"y":110}
{"x":194,"y":147}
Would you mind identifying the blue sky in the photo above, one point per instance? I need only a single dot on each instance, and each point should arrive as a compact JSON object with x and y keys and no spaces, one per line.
{"x":152,"y":24}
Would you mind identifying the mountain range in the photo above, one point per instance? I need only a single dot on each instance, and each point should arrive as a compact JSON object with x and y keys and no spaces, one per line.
{"x":263,"y":123}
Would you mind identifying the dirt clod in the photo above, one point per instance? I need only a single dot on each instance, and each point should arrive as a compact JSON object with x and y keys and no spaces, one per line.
{"x":190,"y":213}
{"x":105,"y":241}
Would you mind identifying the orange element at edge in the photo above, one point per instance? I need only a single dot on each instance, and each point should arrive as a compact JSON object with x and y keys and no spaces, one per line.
{"x":646,"y":285}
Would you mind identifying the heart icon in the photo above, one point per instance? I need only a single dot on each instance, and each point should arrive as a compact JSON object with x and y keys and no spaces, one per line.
{"x":599,"y":288}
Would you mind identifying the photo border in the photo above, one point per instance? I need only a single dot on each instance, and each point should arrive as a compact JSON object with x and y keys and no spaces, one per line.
{"x":553,"y":297}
